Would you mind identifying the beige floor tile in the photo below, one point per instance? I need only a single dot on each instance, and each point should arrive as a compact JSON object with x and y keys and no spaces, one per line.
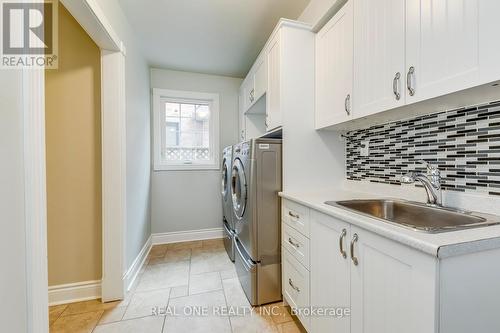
{"x":78,"y":323}
{"x":143,"y":303}
{"x":179,"y":291}
{"x":291,"y":327}
{"x":141,"y":325}
{"x":235,"y":295}
{"x":213,"y":243}
{"x":157,"y":251}
{"x":279,"y":313}
{"x":88,"y":306}
{"x":185,"y":245}
{"x":112,"y":315}
{"x":210,"y":260}
{"x":56,"y":311}
{"x":172,"y":256}
{"x":201,"y":283}
{"x":197,"y":325}
{"x":253,"y":323}
{"x":163,"y":276}
{"x":211,"y":301}
{"x":228,"y":274}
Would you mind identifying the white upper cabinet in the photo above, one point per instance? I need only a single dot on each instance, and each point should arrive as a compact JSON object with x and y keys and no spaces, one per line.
{"x":334,"y":69}
{"x":248,"y":92}
{"x":406,"y":51}
{"x":260,"y":78}
{"x":275,"y":83}
{"x":442,"y":47}
{"x":379,"y":55}
{"x":241,"y":115}
{"x":273,"y":102}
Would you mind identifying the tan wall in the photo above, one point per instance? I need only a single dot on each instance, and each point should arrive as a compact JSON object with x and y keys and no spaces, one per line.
{"x":73,"y":134}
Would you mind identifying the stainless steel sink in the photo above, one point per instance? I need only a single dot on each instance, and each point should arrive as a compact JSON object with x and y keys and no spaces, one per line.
{"x":417,"y":216}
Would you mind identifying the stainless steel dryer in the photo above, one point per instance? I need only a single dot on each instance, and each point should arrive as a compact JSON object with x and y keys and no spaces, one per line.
{"x":227,"y":204}
{"x":255,"y":183}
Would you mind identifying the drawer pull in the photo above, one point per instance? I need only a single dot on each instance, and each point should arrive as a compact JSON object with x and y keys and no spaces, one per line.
{"x":343,"y":253}
{"x":293,"y":243}
{"x":354,"y":259}
{"x":295,"y":216}
{"x":290,"y":282}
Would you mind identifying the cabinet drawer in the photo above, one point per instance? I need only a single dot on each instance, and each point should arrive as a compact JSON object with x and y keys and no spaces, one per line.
{"x":295,"y":285}
{"x":296,"y":244}
{"x":296,"y":216}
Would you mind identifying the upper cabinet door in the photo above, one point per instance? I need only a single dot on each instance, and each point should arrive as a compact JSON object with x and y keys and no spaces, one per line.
{"x":379,"y":55}
{"x":273,"y":99}
{"x":442,"y":47}
{"x":241,"y":115}
{"x":260,"y":78}
{"x":334,"y":69}
{"x":248,"y":92}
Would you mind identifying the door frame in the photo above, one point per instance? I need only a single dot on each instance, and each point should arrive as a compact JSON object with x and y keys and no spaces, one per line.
{"x":91,"y":17}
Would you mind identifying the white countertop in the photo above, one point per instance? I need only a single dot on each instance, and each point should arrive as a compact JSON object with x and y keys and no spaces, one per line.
{"x":441,"y":245}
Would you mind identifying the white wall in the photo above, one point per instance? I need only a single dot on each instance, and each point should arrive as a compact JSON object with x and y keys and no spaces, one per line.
{"x":138,"y":133}
{"x":13,"y":234}
{"x":190,"y":200}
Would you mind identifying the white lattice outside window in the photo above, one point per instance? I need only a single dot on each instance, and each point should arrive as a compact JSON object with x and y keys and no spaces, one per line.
{"x":186,"y":133}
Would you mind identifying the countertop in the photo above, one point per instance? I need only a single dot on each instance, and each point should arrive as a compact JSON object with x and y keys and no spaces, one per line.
{"x":440,"y":245}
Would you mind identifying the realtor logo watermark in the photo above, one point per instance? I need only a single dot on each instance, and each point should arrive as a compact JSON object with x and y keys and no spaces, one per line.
{"x":29,"y":34}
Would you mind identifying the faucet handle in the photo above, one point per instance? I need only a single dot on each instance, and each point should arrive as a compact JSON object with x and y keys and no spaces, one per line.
{"x":431,"y":169}
{"x":409,"y":178}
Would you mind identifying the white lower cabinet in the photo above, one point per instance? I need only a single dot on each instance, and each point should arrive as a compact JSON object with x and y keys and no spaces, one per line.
{"x":295,"y":286}
{"x":388,"y":287}
{"x":393,"y":287}
{"x":330,"y":272}
{"x":359,"y":282}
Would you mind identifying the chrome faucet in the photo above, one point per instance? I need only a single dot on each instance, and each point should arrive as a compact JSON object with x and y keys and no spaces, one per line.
{"x":431,"y":181}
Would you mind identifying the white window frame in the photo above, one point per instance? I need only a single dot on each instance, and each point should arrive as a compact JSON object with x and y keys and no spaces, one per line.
{"x":185,"y":96}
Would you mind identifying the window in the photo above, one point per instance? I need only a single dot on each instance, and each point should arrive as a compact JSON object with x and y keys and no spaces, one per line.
{"x":186,"y":131}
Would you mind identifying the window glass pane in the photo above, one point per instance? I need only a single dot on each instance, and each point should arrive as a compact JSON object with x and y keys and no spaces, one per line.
{"x":172,"y":134}
{"x":187,"y":132}
{"x":172,"y":110}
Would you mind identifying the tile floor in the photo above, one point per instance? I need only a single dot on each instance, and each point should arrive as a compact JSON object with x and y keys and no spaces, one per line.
{"x":182,"y":277}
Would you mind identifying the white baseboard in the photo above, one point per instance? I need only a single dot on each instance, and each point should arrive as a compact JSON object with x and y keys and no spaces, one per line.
{"x":186,"y":236}
{"x":134,"y":269}
{"x":74,"y":292}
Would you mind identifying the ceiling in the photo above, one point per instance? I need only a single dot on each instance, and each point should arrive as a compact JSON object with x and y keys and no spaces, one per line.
{"x":220,"y":37}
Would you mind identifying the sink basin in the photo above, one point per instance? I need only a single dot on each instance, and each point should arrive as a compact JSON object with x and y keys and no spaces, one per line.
{"x":417,"y":216}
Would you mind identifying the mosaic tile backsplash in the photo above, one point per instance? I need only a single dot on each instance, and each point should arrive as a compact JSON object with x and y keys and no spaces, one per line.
{"x":464,"y":143}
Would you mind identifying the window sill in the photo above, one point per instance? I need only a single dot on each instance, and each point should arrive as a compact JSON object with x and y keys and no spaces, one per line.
{"x":186,"y":167}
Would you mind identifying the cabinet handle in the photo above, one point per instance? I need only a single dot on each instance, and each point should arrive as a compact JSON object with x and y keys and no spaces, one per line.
{"x":347,"y":104}
{"x":355,"y":260}
{"x":251,"y":95}
{"x":290,"y":282}
{"x":341,"y":243}
{"x":295,"y":216}
{"x":395,"y":86}
{"x":409,"y":80}
{"x":293,"y":243}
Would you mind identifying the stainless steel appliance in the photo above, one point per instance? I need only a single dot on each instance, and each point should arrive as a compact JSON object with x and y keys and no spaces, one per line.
{"x":255,"y":183}
{"x":227,"y":204}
